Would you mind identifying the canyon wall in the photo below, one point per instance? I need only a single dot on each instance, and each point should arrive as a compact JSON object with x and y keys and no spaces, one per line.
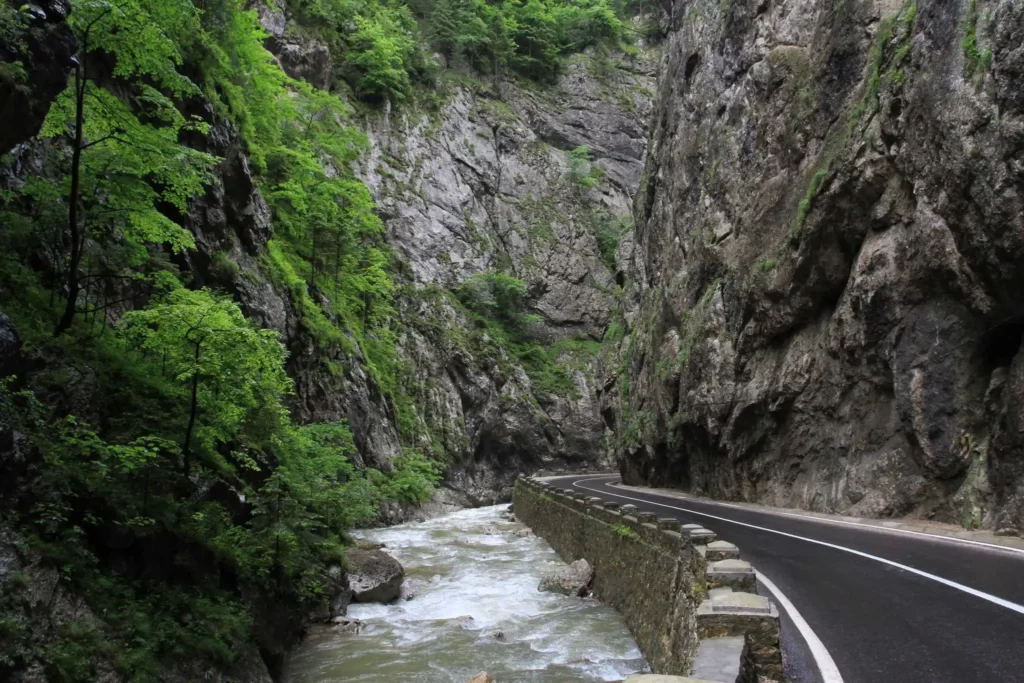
{"x":824,"y":295}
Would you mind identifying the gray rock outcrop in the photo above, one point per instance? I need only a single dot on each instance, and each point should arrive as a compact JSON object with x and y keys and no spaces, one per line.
{"x":826,"y":270}
{"x":374,"y":576}
{"x":40,"y":41}
{"x":573,"y":579}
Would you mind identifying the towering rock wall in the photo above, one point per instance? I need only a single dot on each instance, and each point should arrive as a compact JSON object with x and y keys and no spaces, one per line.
{"x":825,"y":296}
{"x":482,"y":184}
{"x":480,"y":180}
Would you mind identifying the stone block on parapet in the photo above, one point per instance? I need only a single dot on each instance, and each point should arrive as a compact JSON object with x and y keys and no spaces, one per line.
{"x":669,"y":523}
{"x":660,"y":678}
{"x":629,"y":509}
{"x":701,"y":535}
{"x":647,"y":518}
{"x":736,"y":574}
{"x":609,"y":505}
{"x":594,"y":500}
{"x":721,"y":550}
{"x":687,"y":527}
{"x":719,"y":659}
{"x":755,"y":618}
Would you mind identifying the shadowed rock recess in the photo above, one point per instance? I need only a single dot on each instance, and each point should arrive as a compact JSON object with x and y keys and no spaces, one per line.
{"x":824,"y":297}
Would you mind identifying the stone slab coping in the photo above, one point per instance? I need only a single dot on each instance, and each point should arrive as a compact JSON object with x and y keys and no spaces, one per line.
{"x":629,"y":509}
{"x":692,"y":526}
{"x":917,"y":525}
{"x":730,"y":567}
{"x":669,"y":523}
{"x":738,"y":604}
{"x":722,"y":546}
{"x":659,"y":678}
{"x":719,"y":659}
{"x":719,"y":591}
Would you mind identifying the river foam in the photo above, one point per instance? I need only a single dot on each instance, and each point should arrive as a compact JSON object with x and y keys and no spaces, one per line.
{"x":476,"y":608}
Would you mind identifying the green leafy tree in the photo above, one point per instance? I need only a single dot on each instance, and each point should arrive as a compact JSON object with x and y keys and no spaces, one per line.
{"x":229,"y":376}
{"x":126,"y":161}
{"x":496,"y":295}
{"x":377,"y":62}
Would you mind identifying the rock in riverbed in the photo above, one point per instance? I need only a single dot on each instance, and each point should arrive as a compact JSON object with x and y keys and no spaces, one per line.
{"x":481,"y":677}
{"x":374,"y":576}
{"x":571,"y":580}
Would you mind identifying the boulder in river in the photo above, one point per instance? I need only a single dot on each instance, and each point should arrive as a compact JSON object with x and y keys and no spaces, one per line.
{"x":374,"y":576}
{"x":481,"y":677}
{"x":573,"y":579}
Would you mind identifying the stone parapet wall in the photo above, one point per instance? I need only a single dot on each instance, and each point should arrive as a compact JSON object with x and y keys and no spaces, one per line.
{"x":652,"y":576}
{"x":686,"y":597}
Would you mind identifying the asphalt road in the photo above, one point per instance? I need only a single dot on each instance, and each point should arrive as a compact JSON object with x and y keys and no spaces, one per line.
{"x":963,"y":622}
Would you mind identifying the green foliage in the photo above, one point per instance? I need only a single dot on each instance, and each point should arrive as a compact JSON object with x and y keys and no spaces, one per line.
{"x":767,"y":265}
{"x":808,"y":201}
{"x":625,"y":531}
{"x":497,"y":304}
{"x":228,"y":376}
{"x":616,"y":332}
{"x":977,"y":60}
{"x":584,"y":174}
{"x":495,"y":295}
{"x":193,"y":448}
{"x":413,"y":479}
{"x":608,"y":230}
{"x":14,"y":24}
{"x":378,"y":59}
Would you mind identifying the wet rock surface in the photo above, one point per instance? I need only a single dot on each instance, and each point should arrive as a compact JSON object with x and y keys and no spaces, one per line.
{"x":573,"y":579}
{"x":374,"y":576}
{"x":827,"y":264}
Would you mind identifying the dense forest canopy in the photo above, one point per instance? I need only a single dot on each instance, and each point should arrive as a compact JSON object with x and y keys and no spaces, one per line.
{"x":187,"y":440}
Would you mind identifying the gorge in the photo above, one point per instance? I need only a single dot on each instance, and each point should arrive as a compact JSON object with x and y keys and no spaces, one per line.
{"x":273,"y":270}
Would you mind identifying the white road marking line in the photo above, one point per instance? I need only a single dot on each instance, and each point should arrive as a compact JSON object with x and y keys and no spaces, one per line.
{"x":826,"y":520}
{"x":827,"y":667}
{"x":1012,"y":606}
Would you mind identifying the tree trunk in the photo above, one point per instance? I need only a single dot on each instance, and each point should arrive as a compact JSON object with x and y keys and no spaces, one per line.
{"x":187,"y":448}
{"x":76,"y":230}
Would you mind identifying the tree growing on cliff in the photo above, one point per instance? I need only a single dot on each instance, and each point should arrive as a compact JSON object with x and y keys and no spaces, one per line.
{"x":228,"y":376}
{"x":125,"y":162}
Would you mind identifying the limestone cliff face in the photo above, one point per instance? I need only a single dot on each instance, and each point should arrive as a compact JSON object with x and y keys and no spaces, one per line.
{"x":485,"y":184}
{"x":478,"y":181}
{"x":826,"y":290}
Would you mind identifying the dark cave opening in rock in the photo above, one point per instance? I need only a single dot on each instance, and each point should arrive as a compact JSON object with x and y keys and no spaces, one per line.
{"x":670,"y":468}
{"x":1001,"y":343}
{"x":691,"y":66}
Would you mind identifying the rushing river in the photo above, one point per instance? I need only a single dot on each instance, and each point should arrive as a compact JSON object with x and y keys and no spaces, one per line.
{"x":476,"y":608}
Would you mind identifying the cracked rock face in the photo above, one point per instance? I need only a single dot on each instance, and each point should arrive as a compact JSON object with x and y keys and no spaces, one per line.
{"x":484,"y":183}
{"x":480,"y":182}
{"x":827,"y":262}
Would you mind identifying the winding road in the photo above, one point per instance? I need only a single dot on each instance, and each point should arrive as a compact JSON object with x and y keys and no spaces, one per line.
{"x":863,"y":604}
